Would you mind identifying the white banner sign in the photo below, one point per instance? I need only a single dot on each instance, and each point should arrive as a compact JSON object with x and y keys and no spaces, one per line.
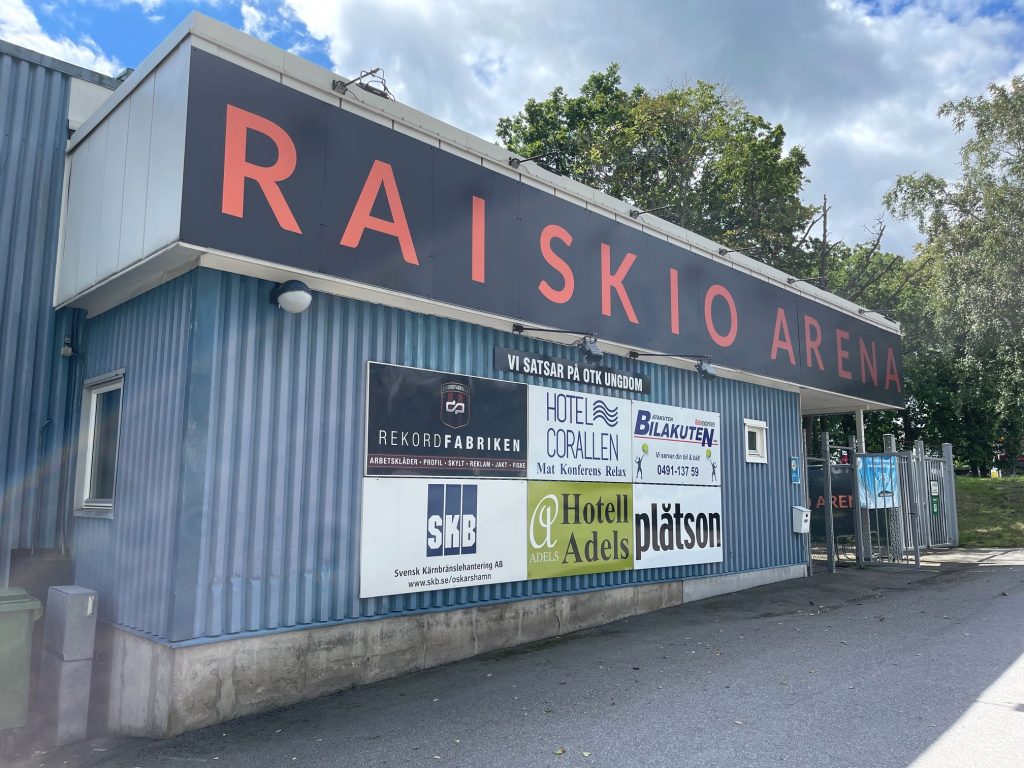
{"x":577,"y":436}
{"x":420,"y":534}
{"x":676,"y":525}
{"x":675,"y":446}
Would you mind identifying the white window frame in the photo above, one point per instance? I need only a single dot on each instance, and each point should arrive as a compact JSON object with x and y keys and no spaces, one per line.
{"x":91,"y":390}
{"x":759,"y":428}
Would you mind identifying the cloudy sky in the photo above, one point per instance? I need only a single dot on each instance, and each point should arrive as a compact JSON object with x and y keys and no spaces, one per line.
{"x":856,"y":82}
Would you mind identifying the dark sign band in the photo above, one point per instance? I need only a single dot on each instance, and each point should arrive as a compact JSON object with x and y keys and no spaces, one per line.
{"x":275,"y":174}
{"x":559,"y":369}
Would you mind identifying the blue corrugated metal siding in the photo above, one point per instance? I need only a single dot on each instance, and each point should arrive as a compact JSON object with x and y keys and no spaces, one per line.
{"x":280,"y":538}
{"x":756,"y":498}
{"x":276,"y":543}
{"x":127,"y":559}
{"x":33,"y":126}
{"x":280,"y":544}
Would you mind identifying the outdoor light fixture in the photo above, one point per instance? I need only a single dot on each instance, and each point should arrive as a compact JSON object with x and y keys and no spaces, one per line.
{"x":863,"y":311}
{"x":704,"y":367}
{"x":706,"y":370}
{"x":341,"y":86}
{"x":592,"y":351}
{"x":293,"y":296}
{"x":751,"y":249}
{"x":635,"y":214}
{"x":815,"y":279}
{"x":515,"y":162}
{"x":371,"y":81}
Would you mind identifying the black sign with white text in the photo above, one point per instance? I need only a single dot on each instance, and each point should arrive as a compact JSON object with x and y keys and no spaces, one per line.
{"x":559,"y":369}
{"x":277,"y":175}
{"x":443,"y":424}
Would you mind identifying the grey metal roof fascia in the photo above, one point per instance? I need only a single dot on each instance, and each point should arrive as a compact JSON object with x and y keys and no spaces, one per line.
{"x":150,"y":63}
{"x":34,"y":57}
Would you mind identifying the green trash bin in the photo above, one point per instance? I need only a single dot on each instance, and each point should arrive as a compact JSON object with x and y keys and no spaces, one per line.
{"x":18,"y":610}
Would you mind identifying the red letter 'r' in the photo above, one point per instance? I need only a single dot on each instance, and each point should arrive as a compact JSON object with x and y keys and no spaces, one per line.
{"x":237,"y":169}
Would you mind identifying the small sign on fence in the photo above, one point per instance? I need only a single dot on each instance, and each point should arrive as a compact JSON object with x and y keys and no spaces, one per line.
{"x":878,"y":482}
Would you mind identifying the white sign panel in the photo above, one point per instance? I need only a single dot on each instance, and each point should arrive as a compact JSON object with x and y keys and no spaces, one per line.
{"x":577,"y":436}
{"x":420,"y":534}
{"x":676,"y":525}
{"x":675,"y":446}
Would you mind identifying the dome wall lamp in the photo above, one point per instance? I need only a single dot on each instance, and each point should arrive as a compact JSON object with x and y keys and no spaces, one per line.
{"x":293,"y":296}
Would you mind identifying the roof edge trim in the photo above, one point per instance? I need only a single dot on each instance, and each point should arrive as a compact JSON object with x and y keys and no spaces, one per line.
{"x":59,"y":65}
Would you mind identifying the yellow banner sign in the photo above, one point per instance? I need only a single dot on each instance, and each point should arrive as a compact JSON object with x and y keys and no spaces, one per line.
{"x":578,"y":528}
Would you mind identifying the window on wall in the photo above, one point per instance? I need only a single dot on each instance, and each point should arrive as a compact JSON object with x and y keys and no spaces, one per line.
{"x":755,"y":441}
{"x":98,"y":444}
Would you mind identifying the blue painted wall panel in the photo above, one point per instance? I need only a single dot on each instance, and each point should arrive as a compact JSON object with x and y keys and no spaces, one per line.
{"x":37,"y":389}
{"x":280,"y":545}
{"x":277,"y":545}
{"x":33,"y":129}
{"x":280,"y":539}
{"x":127,"y":559}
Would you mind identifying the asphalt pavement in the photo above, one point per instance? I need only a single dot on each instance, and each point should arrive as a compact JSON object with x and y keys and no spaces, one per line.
{"x":882,"y":667}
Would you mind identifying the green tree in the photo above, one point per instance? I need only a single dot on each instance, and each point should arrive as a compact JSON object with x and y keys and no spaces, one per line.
{"x":694,"y":153}
{"x":897,"y":288}
{"x":973,"y":228}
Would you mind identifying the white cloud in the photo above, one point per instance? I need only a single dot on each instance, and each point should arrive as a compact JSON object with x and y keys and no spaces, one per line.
{"x":277,"y":23}
{"x":254,"y":22}
{"x":146,"y":5}
{"x":19,"y":25}
{"x":857,"y":88}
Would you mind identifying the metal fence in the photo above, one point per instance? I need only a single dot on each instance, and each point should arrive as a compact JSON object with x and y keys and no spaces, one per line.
{"x":900,"y":502}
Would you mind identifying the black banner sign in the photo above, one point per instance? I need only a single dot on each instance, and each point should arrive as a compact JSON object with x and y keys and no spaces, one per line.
{"x":443,"y":424}
{"x":559,"y":369}
{"x":275,"y":174}
{"x":842,"y":500}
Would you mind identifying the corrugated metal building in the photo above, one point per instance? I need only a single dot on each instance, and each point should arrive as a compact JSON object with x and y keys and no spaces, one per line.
{"x":271,"y":533}
{"x":41,"y":100}
{"x":225,"y":527}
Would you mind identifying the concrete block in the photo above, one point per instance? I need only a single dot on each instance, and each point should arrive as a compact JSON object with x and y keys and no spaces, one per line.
{"x":70,"y":629}
{"x":538,"y":619}
{"x":496,"y":626}
{"x":585,"y":611}
{"x":332,"y":660}
{"x":161,"y":691}
{"x":140,"y":685}
{"x":448,"y":637}
{"x":390,"y":645}
{"x":263,"y":675}
{"x":666,"y":595}
{"x":712,"y":586}
{"x":63,"y":697}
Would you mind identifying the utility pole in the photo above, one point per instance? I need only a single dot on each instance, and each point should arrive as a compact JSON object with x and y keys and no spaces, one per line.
{"x":823,"y":277}
{"x":823,"y":256}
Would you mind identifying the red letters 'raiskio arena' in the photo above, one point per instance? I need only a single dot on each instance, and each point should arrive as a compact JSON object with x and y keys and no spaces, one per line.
{"x":325,"y":390}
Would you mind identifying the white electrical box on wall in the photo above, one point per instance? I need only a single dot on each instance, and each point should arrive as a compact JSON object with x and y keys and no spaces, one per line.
{"x":801,"y":520}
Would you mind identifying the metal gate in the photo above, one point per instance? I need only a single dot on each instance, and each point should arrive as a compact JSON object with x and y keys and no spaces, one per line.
{"x":903,"y":502}
{"x":940,"y":510}
{"x":885,"y":503}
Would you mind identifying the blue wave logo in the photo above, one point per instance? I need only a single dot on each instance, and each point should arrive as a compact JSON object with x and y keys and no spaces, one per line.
{"x":609,"y":416}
